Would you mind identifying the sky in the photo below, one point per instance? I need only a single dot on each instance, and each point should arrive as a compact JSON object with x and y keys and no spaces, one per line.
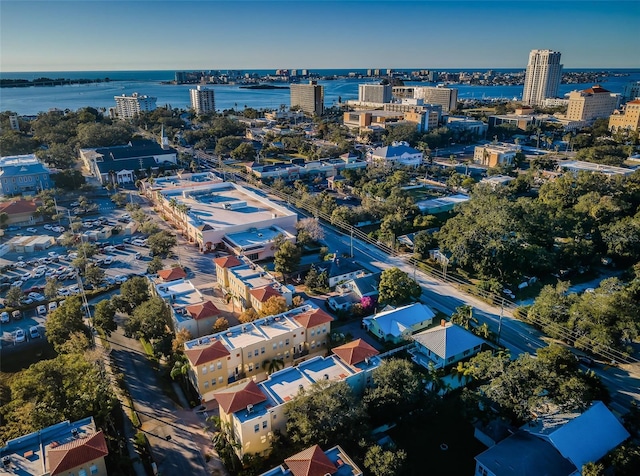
{"x":89,"y":35}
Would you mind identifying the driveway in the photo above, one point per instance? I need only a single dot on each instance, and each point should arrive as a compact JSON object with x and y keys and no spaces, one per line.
{"x":176,"y":435}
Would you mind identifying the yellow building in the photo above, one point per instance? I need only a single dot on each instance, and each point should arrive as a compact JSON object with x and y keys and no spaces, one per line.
{"x":492,"y":155}
{"x":629,"y":120}
{"x":591,"y":104}
{"x":253,"y":350}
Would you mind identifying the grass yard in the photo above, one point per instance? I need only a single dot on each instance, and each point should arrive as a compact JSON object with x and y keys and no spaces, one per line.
{"x":422,"y":435}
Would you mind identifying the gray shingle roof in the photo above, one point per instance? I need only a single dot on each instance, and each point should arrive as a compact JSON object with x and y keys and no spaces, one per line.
{"x":448,"y":340}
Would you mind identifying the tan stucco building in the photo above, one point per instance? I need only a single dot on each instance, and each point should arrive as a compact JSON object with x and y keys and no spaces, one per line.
{"x":628,"y":120}
{"x":591,"y":104}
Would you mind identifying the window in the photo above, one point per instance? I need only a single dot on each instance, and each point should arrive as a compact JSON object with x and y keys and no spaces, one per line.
{"x":275,"y":346}
{"x":256,"y":428}
{"x":324,"y":330}
{"x":204,"y":370}
{"x":286,"y":354}
{"x":482,"y":471}
{"x":281,"y":344}
{"x":313,"y":332}
{"x":466,"y":352}
{"x":286,"y":342}
{"x":264,"y":424}
{"x":219,"y":365}
{"x":93,"y":469}
{"x":450,"y":359}
{"x":250,"y":367}
{"x":213,"y":382}
{"x":249,"y":355}
{"x":256,"y":352}
{"x":82,"y":472}
{"x":313,"y":344}
{"x":212,"y":367}
{"x":262,"y":350}
{"x":206,"y":384}
{"x":257,"y":365}
{"x":219,"y":379}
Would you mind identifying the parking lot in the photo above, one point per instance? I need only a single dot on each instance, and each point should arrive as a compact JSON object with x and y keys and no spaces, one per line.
{"x":117,"y":256}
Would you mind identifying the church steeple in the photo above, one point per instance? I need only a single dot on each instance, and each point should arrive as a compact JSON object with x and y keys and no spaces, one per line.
{"x":164,"y":140}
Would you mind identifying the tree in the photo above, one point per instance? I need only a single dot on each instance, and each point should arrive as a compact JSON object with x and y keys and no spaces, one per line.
{"x":309,"y":230}
{"x":381,"y":462}
{"x":160,"y":243}
{"x":51,"y":288}
{"x":396,"y":287}
{"x":149,"y":320}
{"x":273,"y":306}
{"x":397,"y":389}
{"x":177,"y":345}
{"x":463,"y":316}
{"x":67,"y":387}
{"x":244,"y":151}
{"x":104,"y":316}
{"x":133,"y":292}
{"x":64,"y":321}
{"x":248,"y":315}
{"x":4,"y":218}
{"x":592,"y":469}
{"x":120,"y":199}
{"x":155,"y":265}
{"x":422,"y":243}
{"x":220,"y":325}
{"x":14,"y":294}
{"x":287,"y":259}
{"x":94,"y":275}
{"x":327,"y":413}
{"x":149,"y":228}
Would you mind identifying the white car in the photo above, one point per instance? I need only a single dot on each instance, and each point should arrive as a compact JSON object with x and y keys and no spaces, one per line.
{"x":19,"y":336}
{"x":58,"y":229}
{"x":18,"y":283}
{"x":32,"y":230}
{"x":73,"y":255}
{"x":48,"y":227}
{"x":42,"y":310}
{"x":64,"y":292}
{"x":5,"y":318}
{"x":38,"y":273}
{"x":108,"y":260}
{"x":138,"y":242}
{"x":53,"y":306}
{"x":53,"y":254}
{"x":36,"y":297}
{"x":21,"y":264}
{"x":120,"y":279}
{"x":74,"y":204}
{"x":34,"y":333}
{"x":109,"y":249}
{"x":26,"y":276}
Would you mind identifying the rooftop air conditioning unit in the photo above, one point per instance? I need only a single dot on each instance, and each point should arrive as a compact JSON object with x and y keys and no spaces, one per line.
{"x":249,"y":408}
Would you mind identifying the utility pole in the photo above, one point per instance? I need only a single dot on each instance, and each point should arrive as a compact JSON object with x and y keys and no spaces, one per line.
{"x":351,"y":241}
{"x":500,"y":322}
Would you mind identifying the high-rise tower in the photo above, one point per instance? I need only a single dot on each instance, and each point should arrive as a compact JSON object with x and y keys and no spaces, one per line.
{"x":309,"y":97}
{"x":542,"y":79}
{"x":202,"y":100}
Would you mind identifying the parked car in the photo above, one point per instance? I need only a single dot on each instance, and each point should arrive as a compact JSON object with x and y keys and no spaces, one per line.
{"x":108,"y":260}
{"x":32,"y":230}
{"x":16,"y":314}
{"x":48,"y":227}
{"x":19,"y":336}
{"x":109,"y":249}
{"x":36,"y":296}
{"x":42,"y":309}
{"x":18,"y":283}
{"x":26,"y":276}
{"x":138,"y":255}
{"x":74,"y":204}
{"x":53,"y":306}
{"x":73,"y":255}
{"x":52,"y":254}
{"x":126,"y":240}
{"x":5,"y":318}
{"x":21,"y":264}
{"x":34,"y":333}
{"x":139,"y":242}
{"x":63,"y":292}
{"x":120,"y":247}
{"x":13,"y":228}
{"x":26,"y":300}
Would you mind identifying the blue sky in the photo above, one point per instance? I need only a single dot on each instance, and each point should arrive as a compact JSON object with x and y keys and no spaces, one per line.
{"x":209,"y":34}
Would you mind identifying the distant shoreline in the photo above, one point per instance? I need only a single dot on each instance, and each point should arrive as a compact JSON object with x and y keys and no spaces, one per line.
{"x":25,"y":83}
{"x":263,"y":86}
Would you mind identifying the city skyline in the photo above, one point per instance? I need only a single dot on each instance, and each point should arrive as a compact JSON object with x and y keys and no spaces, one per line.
{"x":190,"y":35}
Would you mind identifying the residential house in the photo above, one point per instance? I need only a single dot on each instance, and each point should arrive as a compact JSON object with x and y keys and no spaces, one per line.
{"x":20,"y":212}
{"x":249,"y":350}
{"x":314,"y":461}
{"x":555,"y":444}
{"x":255,"y":411}
{"x":171,"y":274}
{"x":23,"y":174}
{"x":342,"y":269}
{"x":397,"y":153}
{"x":352,"y":291}
{"x":445,"y":345}
{"x":62,"y":449}
{"x":399,"y":324}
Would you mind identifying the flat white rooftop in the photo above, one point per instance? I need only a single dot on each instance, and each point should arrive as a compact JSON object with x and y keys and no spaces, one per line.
{"x":179,"y":293}
{"x":242,"y":336}
{"x":577,"y":165}
{"x":254,"y":237}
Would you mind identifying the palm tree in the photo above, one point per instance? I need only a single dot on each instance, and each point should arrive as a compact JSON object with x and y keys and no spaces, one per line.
{"x":274,"y":365}
{"x":180,"y":368}
{"x":463,"y":316}
{"x":463,"y":372}
{"x":173,"y":203}
{"x":483,"y":331}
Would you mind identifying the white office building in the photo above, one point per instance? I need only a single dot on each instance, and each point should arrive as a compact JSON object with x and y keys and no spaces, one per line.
{"x":376,"y":93}
{"x":128,"y":107}
{"x":446,"y":97}
{"x":202,"y":100}
{"x":542,"y":78}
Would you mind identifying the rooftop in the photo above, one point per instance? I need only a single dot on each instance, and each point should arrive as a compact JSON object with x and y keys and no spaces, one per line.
{"x":179,"y":293}
{"x":255,"y":238}
{"x":314,"y":462}
{"x":578,"y":165}
{"x":447,"y":340}
{"x":397,"y":321}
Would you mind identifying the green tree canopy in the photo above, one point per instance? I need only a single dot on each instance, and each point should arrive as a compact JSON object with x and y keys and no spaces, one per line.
{"x":286,"y":259}
{"x":64,"y":321}
{"x":133,"y":292}
{"x":396,"y":287}
{"x":104,"y":316}
{"x":161,"y":243}
{"x":149,"y":320}
{"x":381,"y":462}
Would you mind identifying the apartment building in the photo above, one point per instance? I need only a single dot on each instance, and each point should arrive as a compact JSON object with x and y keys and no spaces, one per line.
{"x":249,"y":284}
{"x":309,"y":97}
{"x":628,"y":120}
{"x":23,"y":174}
{"x":203,"y":100}
{"x":293,"y":170}
{"x":255,"y":411}
{"x":253,"y":350}
{"x":378,"y":93}
{"x":492,"y":155}
{"x":590,"y":104}
{"x":128,"y":107}
{"x":445,"y":97}
{"x":62,"y":449}
{"x":631,"y":91}
{"x":542,"y":77}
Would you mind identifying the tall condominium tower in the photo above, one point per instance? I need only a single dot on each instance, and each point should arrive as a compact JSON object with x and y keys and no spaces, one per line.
{"x":202,"y":100}
{"x":380,"y":93}
{"x":309,"y":97}
{"x":128,"y":107}
{"x":542,"y":79}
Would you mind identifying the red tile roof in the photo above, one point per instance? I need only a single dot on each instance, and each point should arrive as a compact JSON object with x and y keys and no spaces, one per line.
{"x":227,"y":261}
{"x":635,"y":101}
{"x":355,"y":352}
{"x":313,"y":318}
{"x":76,"y":453}
{"x":172,"y":274}
{"x":596,"y":90}
{"x":14,"y":207}
{"x":310,"y":462}
{"x":201,"y":355}
{"x":264,"y":293}
{"x":203,"y":310}
{"x":238,"y":398}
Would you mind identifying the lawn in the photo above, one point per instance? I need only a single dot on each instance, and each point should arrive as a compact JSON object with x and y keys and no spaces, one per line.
{"x":422,"y":435}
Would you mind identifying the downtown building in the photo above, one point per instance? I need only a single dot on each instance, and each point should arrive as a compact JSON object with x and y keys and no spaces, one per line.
{"x":590,"y":104}
{"x":309,"y":97}
{"x":202,"y":100}
{"x":628,"y":120}
{"x":445,"y":97}
{"x":376,"y":93}
{"x":542,"y":78}
{"x":128,"y":107}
